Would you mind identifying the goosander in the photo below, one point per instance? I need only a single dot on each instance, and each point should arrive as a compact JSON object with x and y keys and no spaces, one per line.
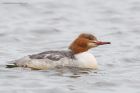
{"x":78,"y":55}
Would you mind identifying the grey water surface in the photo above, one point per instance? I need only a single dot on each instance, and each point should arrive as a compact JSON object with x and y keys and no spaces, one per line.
{"x":32,"y":26}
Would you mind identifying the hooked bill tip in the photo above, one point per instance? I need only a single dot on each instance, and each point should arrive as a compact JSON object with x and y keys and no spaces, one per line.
{"x":108,"y":42}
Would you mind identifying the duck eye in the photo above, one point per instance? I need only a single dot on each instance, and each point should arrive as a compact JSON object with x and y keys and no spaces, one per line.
{"x":90,"y":38}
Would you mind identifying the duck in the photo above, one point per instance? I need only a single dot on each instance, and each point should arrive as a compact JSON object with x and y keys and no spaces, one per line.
{"x":77,"y":55}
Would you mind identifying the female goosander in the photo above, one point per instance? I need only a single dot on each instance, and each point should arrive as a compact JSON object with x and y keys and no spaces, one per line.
{"x":77,"y":56}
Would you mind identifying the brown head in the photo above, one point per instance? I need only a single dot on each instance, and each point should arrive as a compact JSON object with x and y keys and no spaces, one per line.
{"x":85,"y":42}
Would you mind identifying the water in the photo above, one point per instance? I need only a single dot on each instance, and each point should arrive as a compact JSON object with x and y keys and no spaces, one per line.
{"x":32,"y":26}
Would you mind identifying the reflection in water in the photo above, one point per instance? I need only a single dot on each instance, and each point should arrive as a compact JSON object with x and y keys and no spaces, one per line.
{"x":72,"y":72}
